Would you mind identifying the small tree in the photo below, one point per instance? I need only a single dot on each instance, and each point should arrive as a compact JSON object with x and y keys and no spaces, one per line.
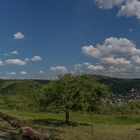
{"x":74,"y":93}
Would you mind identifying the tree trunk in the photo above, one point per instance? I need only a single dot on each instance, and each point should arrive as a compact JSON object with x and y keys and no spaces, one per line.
{"x":67,"y":117}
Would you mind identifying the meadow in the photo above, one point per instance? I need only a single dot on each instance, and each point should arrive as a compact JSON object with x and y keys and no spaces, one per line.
{"x":82,"y":126}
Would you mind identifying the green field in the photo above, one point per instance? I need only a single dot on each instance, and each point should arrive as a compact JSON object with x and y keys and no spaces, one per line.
{"x":83,"y":126}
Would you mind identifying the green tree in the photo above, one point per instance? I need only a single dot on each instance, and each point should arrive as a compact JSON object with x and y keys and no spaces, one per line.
{"x":74,"y":93}
{"x":96,"y":96}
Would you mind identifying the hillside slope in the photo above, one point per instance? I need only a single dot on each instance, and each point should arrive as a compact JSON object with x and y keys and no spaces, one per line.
{"x":20,"y":94}
{"x":120,"y":85}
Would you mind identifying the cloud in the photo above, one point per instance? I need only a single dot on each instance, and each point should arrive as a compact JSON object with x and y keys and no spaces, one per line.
{"x":91,"y":51}
{"x":135,"y":60}
{"x":15,"y":62}
{"x":1,"y":63}
{"x":119,"y":70}
{"x":130,"y":30}
{"x":14,"y":52}
{"x":41,"y":72}
{"x":36,"y":58}
{"x":108,"y":4}
{"x":23,"y":72}
{"x":115,"y":61}
{"x":77,"y":66}
{"x":6,"y":54}
{"x":112,"y":47}
{"x":11,"y":73}
{"x":59,"y":69}
{"x":115,"y":57}
{"x":19,"y":36}
{"x":95,"y":68}
{"x":128,"y":8}
{"x":88,"y":67}
{"x":27,"y":59}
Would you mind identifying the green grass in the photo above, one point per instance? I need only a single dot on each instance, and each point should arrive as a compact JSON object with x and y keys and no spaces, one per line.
{"x":76,"y":117}
{"x":98,"y":127}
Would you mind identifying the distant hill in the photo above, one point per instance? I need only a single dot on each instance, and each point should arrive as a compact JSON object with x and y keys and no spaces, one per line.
{"x":120,"y":85}
{"x":25,"y":94}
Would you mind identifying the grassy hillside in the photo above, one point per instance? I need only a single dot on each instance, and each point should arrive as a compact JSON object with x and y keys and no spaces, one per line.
{"x":20,"y":94}
{"x":23,"y":86}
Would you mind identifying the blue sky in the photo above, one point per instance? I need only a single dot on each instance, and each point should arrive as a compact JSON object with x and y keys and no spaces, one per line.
{"x":42,"y":38}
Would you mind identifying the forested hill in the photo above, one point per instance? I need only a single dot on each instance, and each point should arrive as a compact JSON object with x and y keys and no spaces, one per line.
{"x":120,"y":85}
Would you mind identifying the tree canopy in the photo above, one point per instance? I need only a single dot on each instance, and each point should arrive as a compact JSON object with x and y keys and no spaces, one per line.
{"x":74,"y":93}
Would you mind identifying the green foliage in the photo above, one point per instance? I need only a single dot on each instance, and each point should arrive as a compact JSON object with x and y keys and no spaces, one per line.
{"x":99,"y":92}
{"x":74,"y":93}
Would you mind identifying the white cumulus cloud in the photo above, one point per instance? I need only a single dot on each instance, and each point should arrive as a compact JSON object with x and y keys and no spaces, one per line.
{"x":19,"y":35}
{"x":88,"y":67}
{"x":23,"y":72}
{"x":112,"y":47}
{"x":95,"y":68}
{"x":14,"y":52}
{"x":59,"y":69}
{"x":115,"y":57}
{"x":135,"y":60}
{"x":115,"y":61}
{"x":128,"y":8}
{"x":91,"y":51}
{"x":15,"y":62}
{"x":36,"y":58}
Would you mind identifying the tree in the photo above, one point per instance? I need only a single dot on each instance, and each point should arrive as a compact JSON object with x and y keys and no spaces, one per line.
{"x":94,"y":97}
{"x":74,"y":93}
